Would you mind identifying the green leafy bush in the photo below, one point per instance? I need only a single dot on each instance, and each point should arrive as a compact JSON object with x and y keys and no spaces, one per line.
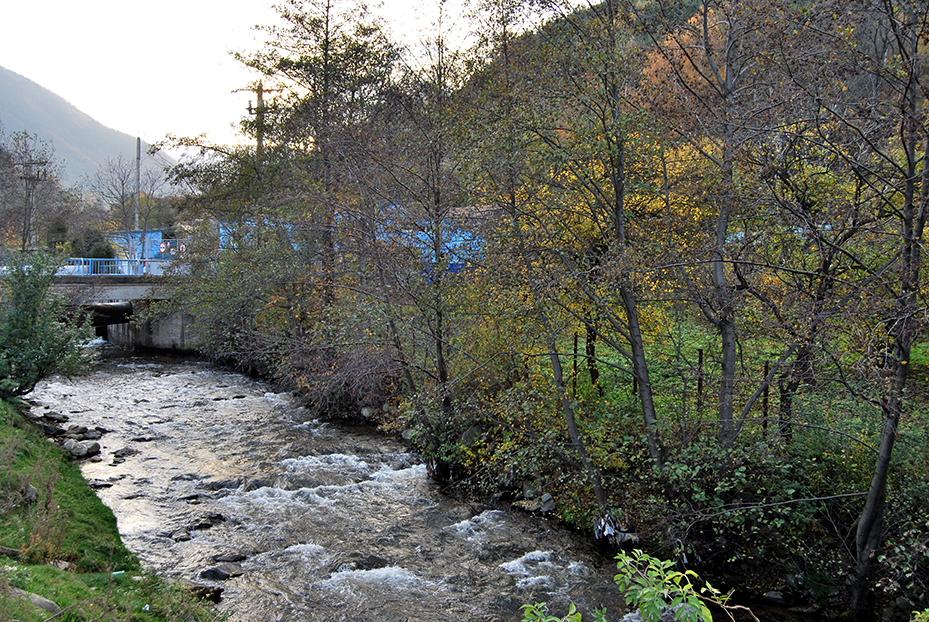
{"x":539,"y":613}
{"x":37,"y":336}
{"x":652,"y":586}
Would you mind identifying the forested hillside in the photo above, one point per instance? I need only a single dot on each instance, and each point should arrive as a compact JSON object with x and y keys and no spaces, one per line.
{"x":652,"y":266}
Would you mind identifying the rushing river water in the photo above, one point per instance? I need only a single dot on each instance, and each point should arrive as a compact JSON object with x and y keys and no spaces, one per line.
{"x":324,"y":522}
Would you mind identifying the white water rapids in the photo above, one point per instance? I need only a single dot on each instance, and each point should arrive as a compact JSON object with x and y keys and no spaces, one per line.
{"x":326,"y":523}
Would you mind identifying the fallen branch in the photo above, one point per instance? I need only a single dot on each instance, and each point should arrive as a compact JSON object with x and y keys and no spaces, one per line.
{"x":5,"y":550}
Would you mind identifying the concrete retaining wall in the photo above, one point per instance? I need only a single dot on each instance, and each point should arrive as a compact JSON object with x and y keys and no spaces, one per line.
{"x":173,"y":334}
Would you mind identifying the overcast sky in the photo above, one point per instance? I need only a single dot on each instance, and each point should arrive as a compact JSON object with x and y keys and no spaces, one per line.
{"x":153,"y":67}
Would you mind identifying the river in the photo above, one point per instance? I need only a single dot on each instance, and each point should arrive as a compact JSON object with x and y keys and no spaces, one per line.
{"x":322,"y":522}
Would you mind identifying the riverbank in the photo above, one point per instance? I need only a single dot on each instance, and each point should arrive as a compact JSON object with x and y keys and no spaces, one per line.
{"x":60,"y":549}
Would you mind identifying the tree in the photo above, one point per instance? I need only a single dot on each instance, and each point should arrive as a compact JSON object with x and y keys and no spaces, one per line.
{"x":290,"y":206}
{"x":846,"y":170}
{"x":548,"y":157}
{"x":416,"y":156}
{"x":30,"y":190}
{"x":877,"y":104}
{"x":840,"y":145}
{"x":245,"y":250}
{"x":133,"y":210}
{"x":10,"y":188}
{"x":601,"y":146}
{"x":704,"y":79}
{"x":330,"y":62}
{"x":37,"y":337}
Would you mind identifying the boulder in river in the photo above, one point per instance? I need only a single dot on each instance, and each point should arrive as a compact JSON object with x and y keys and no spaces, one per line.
{"x":77,"y":431}
{"x":203,"y":592}
{"x":245,"y":484}
{"x":179,"y":535}
{"x":55,"y":417}
{"x":221,"y":572}
{"x":50,"y":430}
{"x":210,"y":519}
{"x":120,"y":455}
{"x":545,"y":503}
{"x":229,"y":557}
{"x":80,"y":449}
{"x":357,"y":561}
{"x":777,"y":597}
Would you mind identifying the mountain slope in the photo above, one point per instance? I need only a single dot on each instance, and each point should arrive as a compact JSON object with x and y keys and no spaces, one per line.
{"x":80,"y":142}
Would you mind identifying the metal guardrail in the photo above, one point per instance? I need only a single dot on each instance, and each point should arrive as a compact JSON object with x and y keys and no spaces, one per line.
{"x":86,"y":266}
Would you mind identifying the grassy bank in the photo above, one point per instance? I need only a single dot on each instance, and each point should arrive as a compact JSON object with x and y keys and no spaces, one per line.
{"x":58,"y":541}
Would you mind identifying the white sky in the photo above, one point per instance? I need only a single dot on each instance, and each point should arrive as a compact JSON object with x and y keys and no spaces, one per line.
{"x":153,"y":67}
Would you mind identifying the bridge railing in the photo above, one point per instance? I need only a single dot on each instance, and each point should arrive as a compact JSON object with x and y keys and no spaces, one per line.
{"x":87,"y":266}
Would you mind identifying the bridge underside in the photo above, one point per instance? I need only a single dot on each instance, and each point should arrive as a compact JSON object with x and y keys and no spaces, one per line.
{"x":106,"y":313}
{"x":111,"y":300}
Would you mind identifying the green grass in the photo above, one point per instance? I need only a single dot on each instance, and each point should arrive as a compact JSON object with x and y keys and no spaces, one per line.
{"x":68,"y":523}
{"x":919,"y":354}
{"x":98,"y":596}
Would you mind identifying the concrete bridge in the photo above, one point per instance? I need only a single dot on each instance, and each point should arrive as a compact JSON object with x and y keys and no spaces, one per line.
{"x":104,"y":288}
{"x":113,"y":291}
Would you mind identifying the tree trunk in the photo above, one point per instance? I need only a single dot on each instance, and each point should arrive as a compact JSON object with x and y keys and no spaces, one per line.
{"x":903,"y":332}
{"x":787,"y":389}
{"x":640,"y":372}
{"x":590,"y":350}
{"x":567,"y":408}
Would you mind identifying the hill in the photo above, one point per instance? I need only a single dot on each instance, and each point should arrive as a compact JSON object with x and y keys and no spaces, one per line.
{"x":80,"y":142}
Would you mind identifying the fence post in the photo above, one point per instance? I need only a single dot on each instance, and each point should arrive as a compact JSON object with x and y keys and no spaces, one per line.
{"x":764,"y":402}
{"x":700,"y":383}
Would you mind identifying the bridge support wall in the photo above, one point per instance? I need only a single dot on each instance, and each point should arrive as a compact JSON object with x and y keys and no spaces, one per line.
{"x":174,"y":333}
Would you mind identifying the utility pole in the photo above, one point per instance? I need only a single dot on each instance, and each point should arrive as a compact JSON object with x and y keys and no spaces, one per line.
{"x":138,"y":180}
{"x":34,"y":171}
{"x":140,"y":247}
{"x":259,"y":113}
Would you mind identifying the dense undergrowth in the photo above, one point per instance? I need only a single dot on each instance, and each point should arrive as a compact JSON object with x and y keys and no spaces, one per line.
{"x":60,"y":542}
{"x":777,"y":511}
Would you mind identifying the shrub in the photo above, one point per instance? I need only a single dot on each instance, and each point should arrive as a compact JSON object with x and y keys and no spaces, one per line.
{"x":653,"y":586}
{"x":38,"y":338}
